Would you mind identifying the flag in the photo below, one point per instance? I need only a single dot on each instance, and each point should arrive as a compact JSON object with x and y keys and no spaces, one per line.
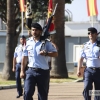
{"x":28,"y":15}
{"x":92,"y":7}
{"x":50,"y":11}
{"x":22,"y":5}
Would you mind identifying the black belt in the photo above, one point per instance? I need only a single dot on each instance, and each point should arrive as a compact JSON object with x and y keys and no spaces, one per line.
{"x":19,"y":63}
{"x":36,"y":69}
{"x":94,"y":68}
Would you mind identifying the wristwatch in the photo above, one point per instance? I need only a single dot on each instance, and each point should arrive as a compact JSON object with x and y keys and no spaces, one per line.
{"x":46,"y":53}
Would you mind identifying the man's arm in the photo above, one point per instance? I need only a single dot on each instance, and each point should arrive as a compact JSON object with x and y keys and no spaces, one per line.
{"x":14,"y":64}
{"x":23,"y":66}
{"x":50,"y":54}
{"x":80,"y":63}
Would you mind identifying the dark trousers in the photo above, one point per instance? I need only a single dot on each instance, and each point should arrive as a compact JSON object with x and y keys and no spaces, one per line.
{"x":40,"y":78}
{"x":18,"y":79}
{"x":90,"y":76}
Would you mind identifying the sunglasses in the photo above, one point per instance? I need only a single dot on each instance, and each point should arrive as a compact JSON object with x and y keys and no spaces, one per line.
{"x":90,"y":33}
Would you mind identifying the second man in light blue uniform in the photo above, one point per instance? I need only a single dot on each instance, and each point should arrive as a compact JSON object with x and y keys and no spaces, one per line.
{"x":17,"y":64}
{"x":91,"y":52}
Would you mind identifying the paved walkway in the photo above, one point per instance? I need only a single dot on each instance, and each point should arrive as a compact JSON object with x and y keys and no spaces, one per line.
{"x":58,"y":91}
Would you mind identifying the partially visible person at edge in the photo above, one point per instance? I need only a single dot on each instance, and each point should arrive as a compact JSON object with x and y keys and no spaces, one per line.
{"x":91,"y":52}
{"x":17,"y":64}
{"x":38,"y":68}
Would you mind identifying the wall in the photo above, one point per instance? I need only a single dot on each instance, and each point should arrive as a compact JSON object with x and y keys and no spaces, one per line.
{"x":75,"y":34}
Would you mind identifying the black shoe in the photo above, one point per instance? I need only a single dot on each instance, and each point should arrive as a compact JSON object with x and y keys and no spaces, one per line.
{"x":18,"y":96}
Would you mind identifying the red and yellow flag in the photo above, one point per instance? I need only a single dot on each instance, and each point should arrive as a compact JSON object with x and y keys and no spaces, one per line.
{"x":92,"y":7}
{"x":22,"y":5}
{"x":50,"y":11}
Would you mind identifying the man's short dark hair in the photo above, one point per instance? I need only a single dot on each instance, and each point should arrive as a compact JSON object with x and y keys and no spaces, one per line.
{"x":23,"y":37}
{"x":37,"y":26}
{"x":92,"y":29}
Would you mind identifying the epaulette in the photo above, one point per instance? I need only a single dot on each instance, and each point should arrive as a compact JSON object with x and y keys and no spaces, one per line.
{"x":47,"y":40}
{"x":98,"y":43}
{"x":27,"y":39}
{"x":44,"y":41}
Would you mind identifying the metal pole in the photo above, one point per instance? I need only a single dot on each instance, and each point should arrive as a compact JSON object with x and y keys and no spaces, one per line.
{"x":68,"y":15}
{"x":71,"y":14}
{"x":22,"y":22}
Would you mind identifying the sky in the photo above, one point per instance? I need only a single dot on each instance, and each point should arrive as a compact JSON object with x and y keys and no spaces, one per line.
{"x":79,"y":10}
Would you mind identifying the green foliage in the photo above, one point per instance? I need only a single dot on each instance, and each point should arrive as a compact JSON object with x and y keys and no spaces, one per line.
{"x":39,"y":8}
{"x":3,"y":9}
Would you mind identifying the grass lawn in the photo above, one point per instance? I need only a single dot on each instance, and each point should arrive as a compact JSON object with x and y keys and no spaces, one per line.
{"x":52,"y":80}
{"x":71,"y":78}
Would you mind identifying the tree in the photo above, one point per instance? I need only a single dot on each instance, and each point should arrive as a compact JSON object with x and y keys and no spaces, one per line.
{"x":59,"y":64}
{"x":39,"y":8}
{"x":12,"y":11}
{"x":12,"y":23}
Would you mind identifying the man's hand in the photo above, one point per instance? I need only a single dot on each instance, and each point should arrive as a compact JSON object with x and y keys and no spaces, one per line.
{"x":79,"y":73}
{"x":13,"y":69}
{"x":43,"y":53}
{"x":22,"y":74}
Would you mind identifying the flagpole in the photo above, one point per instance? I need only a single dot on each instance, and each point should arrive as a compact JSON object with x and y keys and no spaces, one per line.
{"x":92,"y":20}
{"x":92,"y":10}
{"x":22,"y":22}
{"x":22,"y":9}
{"x":92,"y":15}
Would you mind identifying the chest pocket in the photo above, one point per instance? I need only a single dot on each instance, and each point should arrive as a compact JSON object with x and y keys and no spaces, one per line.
{"x":30,"y":51}
{"x":19,"y":51}
{"x":87,"y":52}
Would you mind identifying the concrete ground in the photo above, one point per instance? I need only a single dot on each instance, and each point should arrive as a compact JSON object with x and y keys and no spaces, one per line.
{"x":58,"y":91}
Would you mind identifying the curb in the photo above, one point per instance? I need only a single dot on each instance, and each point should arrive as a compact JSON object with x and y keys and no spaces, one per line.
{"x":7,"y":87}
{"x":79,"y":80}
{"x":14,"y":86}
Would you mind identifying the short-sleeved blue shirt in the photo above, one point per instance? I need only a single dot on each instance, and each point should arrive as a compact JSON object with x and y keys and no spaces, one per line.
{"x":32,"y":50}
{"x":18,"y":53}
{"x":91,"y":52}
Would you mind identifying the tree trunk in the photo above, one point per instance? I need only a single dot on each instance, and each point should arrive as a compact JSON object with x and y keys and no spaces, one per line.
{"x":59,"y":68}
{"x":7,"y":70}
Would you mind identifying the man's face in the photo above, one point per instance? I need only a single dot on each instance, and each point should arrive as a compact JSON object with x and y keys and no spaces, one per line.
{"x":36,"y":33}
{"x":92,"y":35}
{"x":22,"y":41}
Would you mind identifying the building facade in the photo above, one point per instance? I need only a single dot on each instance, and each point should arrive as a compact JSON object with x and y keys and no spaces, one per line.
{"x":75,"y":35}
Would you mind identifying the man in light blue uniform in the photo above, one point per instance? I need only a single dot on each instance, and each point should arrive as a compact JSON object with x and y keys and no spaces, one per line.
{"x":17,"y":64}
{"x":38,"y":68}
{"x":91,"y":52}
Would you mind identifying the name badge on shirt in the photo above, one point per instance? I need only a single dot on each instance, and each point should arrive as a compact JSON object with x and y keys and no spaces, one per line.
{"x":30,"y":51}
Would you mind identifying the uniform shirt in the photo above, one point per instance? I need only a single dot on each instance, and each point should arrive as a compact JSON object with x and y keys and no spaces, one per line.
{"x":34,"y":58}
{"x":91,"y":52}
{"x":48,"y":59}
{"x":18,"y":53}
